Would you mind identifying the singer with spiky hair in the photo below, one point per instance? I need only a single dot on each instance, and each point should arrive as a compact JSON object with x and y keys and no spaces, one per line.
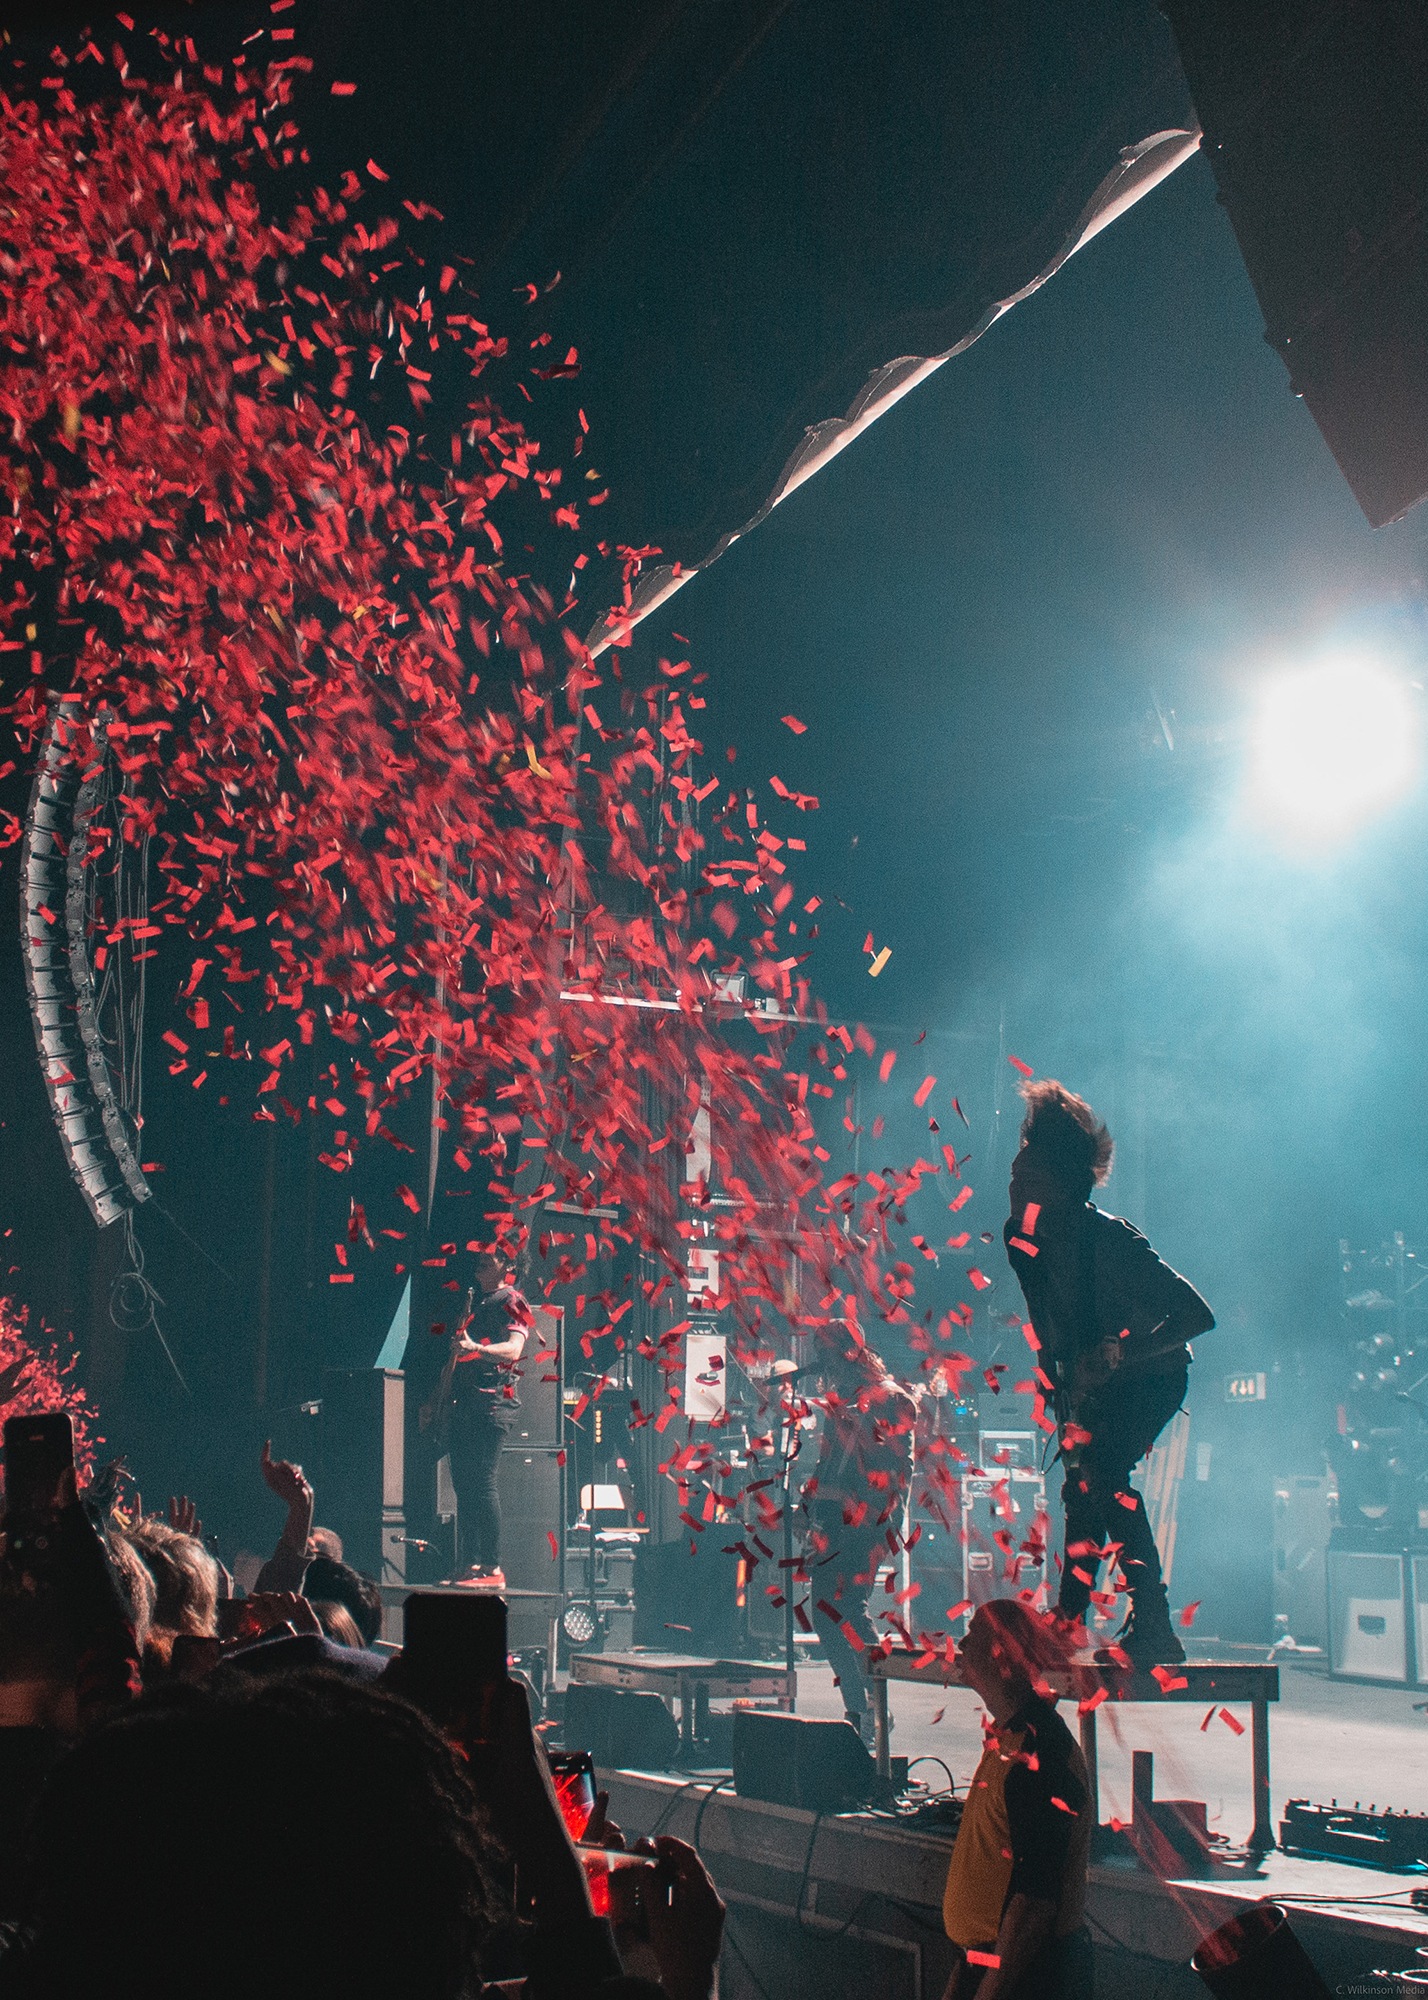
{"x":1114,"y":1324}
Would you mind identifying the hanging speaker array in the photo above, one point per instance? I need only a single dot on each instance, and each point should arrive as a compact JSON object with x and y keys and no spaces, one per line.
{"x":59,"y":978}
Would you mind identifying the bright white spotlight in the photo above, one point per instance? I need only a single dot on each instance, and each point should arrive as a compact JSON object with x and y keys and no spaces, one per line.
{"x":1333,"y":745}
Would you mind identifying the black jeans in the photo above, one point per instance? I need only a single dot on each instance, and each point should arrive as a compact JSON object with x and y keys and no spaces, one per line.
{"x":834,"y":1570}
{"x":474,"y":1449}
{"x":1124,"y":1419}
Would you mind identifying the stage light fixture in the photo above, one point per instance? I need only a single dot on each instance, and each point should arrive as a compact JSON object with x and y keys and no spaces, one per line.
{"x":579,"y":1624}
{"x":1334,"y":744}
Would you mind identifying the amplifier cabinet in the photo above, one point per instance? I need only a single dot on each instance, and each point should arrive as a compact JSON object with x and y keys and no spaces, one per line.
{"x":529,"y":1482}
{"x":1368,"y":1615}
{"x":362,"y":1480}
{"x":541,"y":1417}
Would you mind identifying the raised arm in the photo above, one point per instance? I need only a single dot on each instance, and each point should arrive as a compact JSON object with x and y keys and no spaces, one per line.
{"x":287,"y":1565}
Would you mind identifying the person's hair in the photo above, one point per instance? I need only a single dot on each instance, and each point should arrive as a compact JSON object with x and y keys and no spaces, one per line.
{"x":1026,"y":1645}
{"x":136,"y":1583}
{"x":185,"y":1579}
{"x":326,"y":1542}
{"x":307,"y":1833}
{"x":332,"y":1582}
{"x":337,"y":1622}
{"x":1066,"y":1133}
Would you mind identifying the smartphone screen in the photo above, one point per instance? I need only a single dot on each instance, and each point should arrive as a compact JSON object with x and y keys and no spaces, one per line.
{"x":39,"y":1451}
{"x":573,"y":1774}
{"x":453,"y":1655}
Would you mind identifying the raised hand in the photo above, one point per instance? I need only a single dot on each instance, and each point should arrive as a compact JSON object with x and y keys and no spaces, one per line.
{"x":268,"y":1608}
{"x":183,"y":1516}
{"x":285,"y":1479}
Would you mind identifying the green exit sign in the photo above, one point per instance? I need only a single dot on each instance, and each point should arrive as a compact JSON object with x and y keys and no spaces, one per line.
{"x":1244,"y":1388}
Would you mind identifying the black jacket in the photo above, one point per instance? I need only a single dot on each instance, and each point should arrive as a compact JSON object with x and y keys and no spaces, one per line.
{"x":1101,"y":1302}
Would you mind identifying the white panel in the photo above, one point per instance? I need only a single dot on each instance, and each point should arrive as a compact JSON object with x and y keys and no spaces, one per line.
{"x":1367,"y":1629}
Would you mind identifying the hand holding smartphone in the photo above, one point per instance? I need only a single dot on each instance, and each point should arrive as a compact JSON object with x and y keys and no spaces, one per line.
{"x":39,"y":1482}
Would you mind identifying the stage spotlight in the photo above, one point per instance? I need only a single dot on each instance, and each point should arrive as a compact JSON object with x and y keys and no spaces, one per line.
{"x":1334,"y":744}
{"x":580,"y":1624}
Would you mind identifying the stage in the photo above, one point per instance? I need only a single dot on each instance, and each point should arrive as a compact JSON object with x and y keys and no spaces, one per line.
{"x":872,"y":1887}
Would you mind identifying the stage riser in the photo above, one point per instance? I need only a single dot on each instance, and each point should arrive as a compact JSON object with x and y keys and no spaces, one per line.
{"x":889,"y":1882}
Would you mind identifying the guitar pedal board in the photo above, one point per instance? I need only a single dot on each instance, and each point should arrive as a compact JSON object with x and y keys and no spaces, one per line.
{"x":1393,"y":1840}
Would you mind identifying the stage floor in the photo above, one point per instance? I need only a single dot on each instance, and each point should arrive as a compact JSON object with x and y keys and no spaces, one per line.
{"x":1329,"y":1739}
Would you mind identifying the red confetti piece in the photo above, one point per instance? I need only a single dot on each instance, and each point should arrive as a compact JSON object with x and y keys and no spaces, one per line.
{"x":979,"y":1278}
{"x":554,"y":1545}
{"x":992,"y":1958}
{"x":924,"y":1091}
{"x":1230,"y":1722}
{"x":1017,"y":1063}
{"x":1187,"y":1616}
{"x":960,"y":1199}
{"x":344,"y":90}
{"x":376,"y":172}
{"x":885,"y":1067}
{"x":792,"y":722}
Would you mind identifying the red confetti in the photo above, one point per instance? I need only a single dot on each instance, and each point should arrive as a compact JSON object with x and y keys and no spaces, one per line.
{"x":1017,"y":1063}
{"x":792,"y":722}
{"x":924,"y":1091}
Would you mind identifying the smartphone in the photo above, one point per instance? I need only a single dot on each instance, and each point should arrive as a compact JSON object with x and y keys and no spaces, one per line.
{"x":454,"y":1642}
{"x":453,"y":1655}
{"x":573,"y":1774}
{"x":621,"y":1886}
{"x":39,"y":1452}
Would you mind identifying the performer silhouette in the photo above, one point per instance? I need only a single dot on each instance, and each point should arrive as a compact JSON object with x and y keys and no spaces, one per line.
{"x":1113,"y":1322}
{"x":857,"y":1492}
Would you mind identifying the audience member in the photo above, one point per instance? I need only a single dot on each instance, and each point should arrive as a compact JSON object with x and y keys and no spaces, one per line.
{"x":135,"y":1581}
{"x":325,"y":1542}
{"x":186,"y":1586}
{"x":1016,"y":1887}
{"x":312,"y":1838}
{"x":336,"y":1622}
{"x":339,"y":1583}
{"x":286,"y":1566}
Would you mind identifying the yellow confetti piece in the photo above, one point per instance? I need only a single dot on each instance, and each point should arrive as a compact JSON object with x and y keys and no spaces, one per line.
{"x":880,"y":961}
{"x":535,"y":762}
{"x":71,"y":422}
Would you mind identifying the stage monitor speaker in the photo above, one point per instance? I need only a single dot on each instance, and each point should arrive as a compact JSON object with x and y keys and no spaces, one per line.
{"x":529,"y":1485}
{"x":361,"y":1479}
{"x":1314,"y":128}
{"x":621,"y":1729}
{"x":1368,"y":1626}
{"x":793,"y":1760}
{"x":540,"y":1419}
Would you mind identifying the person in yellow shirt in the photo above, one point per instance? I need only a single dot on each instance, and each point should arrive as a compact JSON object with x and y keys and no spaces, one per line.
{"x":1015,"y":1899}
